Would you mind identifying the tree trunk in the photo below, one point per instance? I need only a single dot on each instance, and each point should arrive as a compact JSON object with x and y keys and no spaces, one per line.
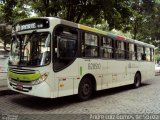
{"x":79,"y":16}
{"x":135,"y":29}
{"x":46,"y":4}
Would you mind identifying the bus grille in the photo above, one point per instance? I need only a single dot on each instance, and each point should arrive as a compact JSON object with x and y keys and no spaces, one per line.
{"x":22,"y":88}
{"x":21,"y":71}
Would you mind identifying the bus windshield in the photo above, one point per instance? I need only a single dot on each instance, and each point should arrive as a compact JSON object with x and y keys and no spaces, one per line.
{"x":30,"y":49}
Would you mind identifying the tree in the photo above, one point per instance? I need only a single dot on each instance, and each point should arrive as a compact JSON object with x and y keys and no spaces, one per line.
{"x":10,"y":12}
{"x":139,"y":17}
{"x":7,"y":9}
{"x":1,"y":14}
{"x":117,"y":13}
{"x":145,"y":19}
{"x":147,"y":28}
{"x":5,"y":30}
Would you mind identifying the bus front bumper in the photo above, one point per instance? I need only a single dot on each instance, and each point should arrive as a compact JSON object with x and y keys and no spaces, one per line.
{"x":39,"y":90}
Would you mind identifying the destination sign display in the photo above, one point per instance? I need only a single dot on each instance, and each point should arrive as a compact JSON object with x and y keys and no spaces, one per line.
{"x":31,"y":24}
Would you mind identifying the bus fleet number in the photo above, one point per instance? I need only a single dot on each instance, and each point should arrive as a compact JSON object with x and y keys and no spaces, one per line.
{"x":92,"y":66}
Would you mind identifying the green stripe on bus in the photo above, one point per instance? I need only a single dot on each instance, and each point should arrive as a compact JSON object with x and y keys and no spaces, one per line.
{"x":81,"y":70}
{"x":24,"y":77}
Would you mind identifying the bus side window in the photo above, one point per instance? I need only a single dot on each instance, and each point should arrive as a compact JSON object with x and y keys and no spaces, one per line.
{"x":107,"y":49}
{"x":152,"y":54}
{"x":131,"y":51}
{"x":119,"y":49}
{"x":90,"y":47}
{"x":126,"y":50}
{"x":139,"y":52}
{"x":143,"y":54}
{"x":122,"y":50}
{"x":116,"y":49}
{"x":135,"y":49}
{"x":147,"y":52}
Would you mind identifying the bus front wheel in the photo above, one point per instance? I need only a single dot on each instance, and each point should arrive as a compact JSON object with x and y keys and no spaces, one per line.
{"x":137,"y":80}
{"x":85,"y":89}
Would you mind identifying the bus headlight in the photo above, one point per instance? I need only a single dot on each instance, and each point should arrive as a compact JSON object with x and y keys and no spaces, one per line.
{"x":42,"y":78}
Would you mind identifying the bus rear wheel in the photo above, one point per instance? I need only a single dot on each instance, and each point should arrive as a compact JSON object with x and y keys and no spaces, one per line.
{"x":85,"y":89}
{"x":137,"y":80}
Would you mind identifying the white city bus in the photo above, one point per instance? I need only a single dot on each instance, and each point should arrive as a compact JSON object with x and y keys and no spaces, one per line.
{"x":51,"y":57}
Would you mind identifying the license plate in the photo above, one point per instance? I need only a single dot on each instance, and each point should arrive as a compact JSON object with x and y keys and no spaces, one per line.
{"x":19,"y":87}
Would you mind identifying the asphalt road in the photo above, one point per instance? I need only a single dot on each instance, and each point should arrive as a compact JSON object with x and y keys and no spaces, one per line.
{"x":122,"y":100}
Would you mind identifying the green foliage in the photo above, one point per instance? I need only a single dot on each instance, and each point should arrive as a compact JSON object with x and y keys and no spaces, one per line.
{"x":92,"y":12}
{"x":157,"y":58}
{"x":18,"y":14}
{"x":145,"y":21}
{"x":10,"y":12}
{"x":138,"y":19}
{"x":150,"y":29}
{"x":7,"y":9}
{"x":4,"y":33}
{"x":1,"y":14}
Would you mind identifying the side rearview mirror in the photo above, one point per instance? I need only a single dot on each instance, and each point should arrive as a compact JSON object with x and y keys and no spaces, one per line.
{"x":7,"y":43}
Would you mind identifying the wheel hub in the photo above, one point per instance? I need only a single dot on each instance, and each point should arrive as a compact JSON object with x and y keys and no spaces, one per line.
{"x":86,"y":89}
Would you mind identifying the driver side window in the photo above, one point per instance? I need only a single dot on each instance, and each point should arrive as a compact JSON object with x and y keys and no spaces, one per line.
{"x":65,"y":46}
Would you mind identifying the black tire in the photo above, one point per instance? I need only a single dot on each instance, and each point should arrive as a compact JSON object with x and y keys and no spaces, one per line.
{"x":85,"y":89}
{"x":137,"y":80}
